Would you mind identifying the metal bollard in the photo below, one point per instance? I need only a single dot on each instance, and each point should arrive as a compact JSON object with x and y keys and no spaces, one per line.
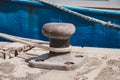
{"x":59,"y":35}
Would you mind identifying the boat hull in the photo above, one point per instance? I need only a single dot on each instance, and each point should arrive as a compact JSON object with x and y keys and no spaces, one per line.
{"x":26,"y":18}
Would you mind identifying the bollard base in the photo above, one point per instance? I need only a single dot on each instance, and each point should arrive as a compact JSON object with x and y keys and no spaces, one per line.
{"x":60,"y":62}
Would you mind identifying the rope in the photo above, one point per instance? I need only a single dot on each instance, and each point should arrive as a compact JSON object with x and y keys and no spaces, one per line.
{"x":46,"y":47}
{"x":87,"y":18}
{"x":33,"y":40}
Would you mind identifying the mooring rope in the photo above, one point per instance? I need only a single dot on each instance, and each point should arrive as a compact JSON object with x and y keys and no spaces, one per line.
{"x":30,"y":43}
{"x":33,"y":40}
{"x":87,"y":18}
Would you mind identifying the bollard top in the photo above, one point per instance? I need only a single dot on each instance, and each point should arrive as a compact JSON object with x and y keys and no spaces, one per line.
{"x":58,"y":30}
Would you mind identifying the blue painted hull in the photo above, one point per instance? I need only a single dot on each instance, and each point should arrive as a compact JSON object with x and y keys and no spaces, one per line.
{"x":26,"y":18}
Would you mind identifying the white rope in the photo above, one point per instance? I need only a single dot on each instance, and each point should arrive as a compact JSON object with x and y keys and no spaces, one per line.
{"x":33,"y":40}
{"x":87,"y":18}
{"x":13,"y":38}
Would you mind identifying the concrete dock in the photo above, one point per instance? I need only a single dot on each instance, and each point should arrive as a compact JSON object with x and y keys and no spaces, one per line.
{"x":102,"y":64}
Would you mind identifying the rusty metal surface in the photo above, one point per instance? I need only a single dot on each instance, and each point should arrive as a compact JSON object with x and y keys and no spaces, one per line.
{"x":59,"y":34}
{"x":58,"y":30}
{"x":58,"y":62}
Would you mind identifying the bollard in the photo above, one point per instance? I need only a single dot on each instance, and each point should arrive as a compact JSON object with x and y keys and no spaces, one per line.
{"x":59,"y":35}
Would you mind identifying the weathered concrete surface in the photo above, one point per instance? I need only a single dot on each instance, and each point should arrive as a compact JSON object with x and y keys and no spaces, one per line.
{"x":102,"y":64}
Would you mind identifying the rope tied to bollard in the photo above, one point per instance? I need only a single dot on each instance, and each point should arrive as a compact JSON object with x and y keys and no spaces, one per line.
{"x":33,"y":44}
{"x":87,"y":18}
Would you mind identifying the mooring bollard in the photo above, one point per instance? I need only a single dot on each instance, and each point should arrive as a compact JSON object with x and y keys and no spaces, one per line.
{"x":59,"y":35}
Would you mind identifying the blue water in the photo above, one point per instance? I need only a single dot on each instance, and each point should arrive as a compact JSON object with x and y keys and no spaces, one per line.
{"x":26,"y":18}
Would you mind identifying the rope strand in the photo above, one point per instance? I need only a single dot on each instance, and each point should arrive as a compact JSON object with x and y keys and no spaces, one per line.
{"x":33,"y":44}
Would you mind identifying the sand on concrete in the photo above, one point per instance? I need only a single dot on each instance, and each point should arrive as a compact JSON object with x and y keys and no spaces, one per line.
{"x":102,"y":64}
